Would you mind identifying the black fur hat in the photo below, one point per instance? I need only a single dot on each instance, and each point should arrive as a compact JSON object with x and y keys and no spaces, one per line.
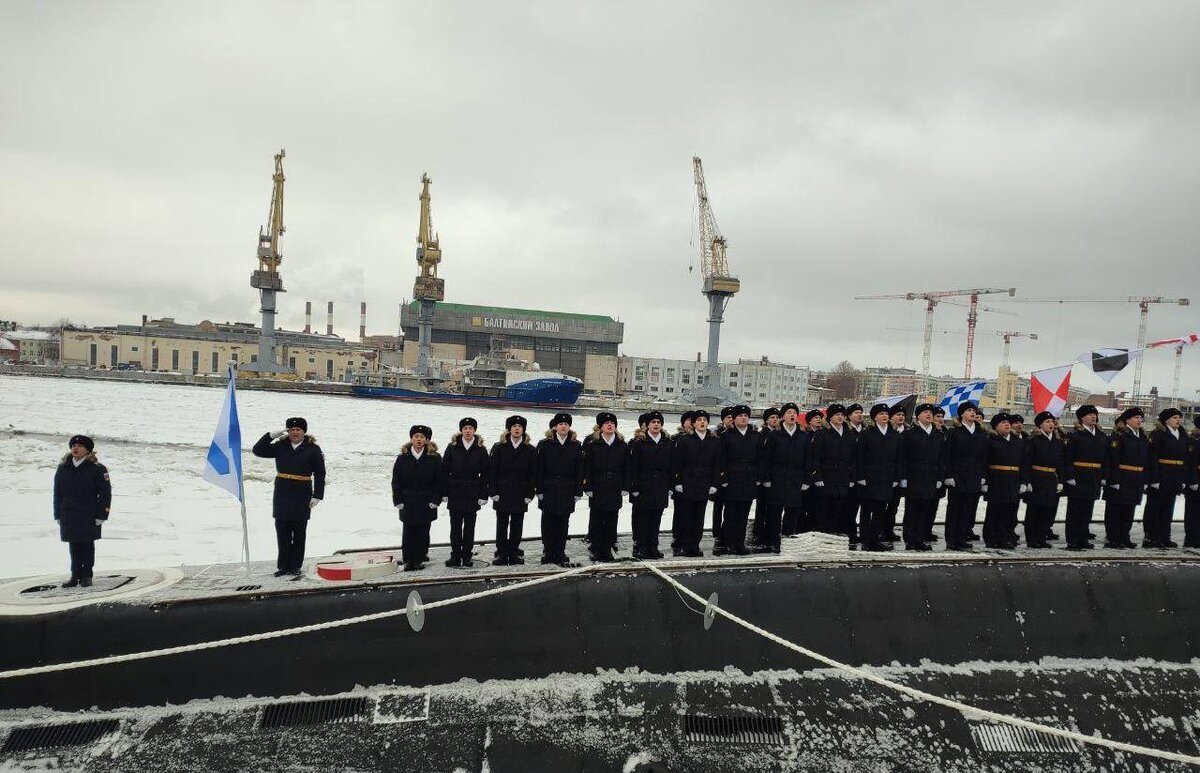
{"x":560,"y":418}
{"x":82,"y":440}
{"x":421,"y":428}
{"x":296,"y":421}
{"x":467,"y":422}
{"x":511,"y":420}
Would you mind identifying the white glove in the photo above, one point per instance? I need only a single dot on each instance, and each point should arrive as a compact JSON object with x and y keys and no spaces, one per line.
{"x":578,"y":498}
{"x":895,"y":483}
{"x":1154,"y":486}
{"x":1194,"y":486}
{"x":445,"y":500}
{"x":819,"y":484}
{"x":433,"y":505}
{"x":587,"y":494}
{"x":1071,"y":482}
{"x":712,"y":490}
{"x":804,"y":487}
{"x":1115,"y":486}
{"x":904,"y":483}
{"x":1102,"y":483}
{"x":950,"y":482}
{"x":679,"y":489}
{"x":852,"y":484}
{"x":99,"y":521}
{"x":766,"y":484}
{"x":399,"y":507}
{"x":527,"y":501}
{"x":862,"y":483}
{"x":983,"y":481}
{"x":723,"y":485}
{"x":633,"y":494}
{"x":313,"y":503}
{"x":278,"y":435}
{"x":937,"y":484}
{"x":1022,"y":488}
{"x":624,"y":493}
{"x":539,"y":496}
{"x":983,"y":488}
{"x":482,"y":502}
{"x":496,"y":498}
{"x":1058,"y":488}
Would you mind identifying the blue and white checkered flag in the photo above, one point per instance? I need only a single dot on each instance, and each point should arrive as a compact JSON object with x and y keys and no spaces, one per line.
{"x":223,"y":467}
{"x":963,"y":393}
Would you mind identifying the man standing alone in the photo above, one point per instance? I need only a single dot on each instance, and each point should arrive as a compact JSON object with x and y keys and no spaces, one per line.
{"x":299,"y":487}
{"x":82,"y":497}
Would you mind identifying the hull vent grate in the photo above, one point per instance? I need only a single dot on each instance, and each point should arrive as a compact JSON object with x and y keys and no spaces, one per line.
{"x":318,"y":712}
{"x":701,"y":728}
{"x":65,"y":734}
{"x":1006,"y":739}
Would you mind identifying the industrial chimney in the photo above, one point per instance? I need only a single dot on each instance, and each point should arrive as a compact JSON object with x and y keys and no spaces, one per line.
{"x":329,"y":324}
{"x":308,"y":316}
{"x":362,"y":322}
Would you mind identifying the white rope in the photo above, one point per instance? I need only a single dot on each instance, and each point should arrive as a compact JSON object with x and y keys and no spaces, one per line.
{"x":930,"y":697}
{"x":208,"y":645}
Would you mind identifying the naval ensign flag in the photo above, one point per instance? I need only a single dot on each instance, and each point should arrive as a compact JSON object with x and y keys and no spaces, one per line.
{"x":224,"y":464}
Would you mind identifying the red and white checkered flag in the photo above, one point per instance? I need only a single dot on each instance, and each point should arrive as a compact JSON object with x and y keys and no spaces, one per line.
{"x":1049,"y":389}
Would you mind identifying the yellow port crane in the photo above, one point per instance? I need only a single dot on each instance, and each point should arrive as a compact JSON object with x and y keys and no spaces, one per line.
{"x":428,"y":289}
{"x":718,"y":287}
{"x":267,"y":279}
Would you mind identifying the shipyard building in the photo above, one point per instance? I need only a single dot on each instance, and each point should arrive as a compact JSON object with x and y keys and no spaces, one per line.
{"x":757,"y":382}
{"x":580,"y":345}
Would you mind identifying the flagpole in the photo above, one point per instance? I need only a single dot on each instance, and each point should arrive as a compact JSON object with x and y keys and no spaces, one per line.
{"x":245,"y":528}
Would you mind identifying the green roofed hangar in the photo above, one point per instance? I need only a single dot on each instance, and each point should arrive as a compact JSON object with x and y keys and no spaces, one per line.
{"x":581,"y":345}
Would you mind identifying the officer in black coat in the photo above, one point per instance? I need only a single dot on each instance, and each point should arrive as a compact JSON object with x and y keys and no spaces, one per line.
{"x":921,"y":477}
{"x":718,"y":499}
{"x":649,"y":484}
{"x":1086,"y":471}
{"x":770,"y":422}
{"x":299,"y":487}
{"x":739,"y":454}
{"x":966,"y":467}
{"x":832,"y":468}
{"x":465,"y":475}
{"x":853,"y":503}
{"x":685,"y":428}
{"x":558,"y":479}
{"x":605,"y":456}
{"x":898,"y":418}
{"x":696,"y":470}
{"x":416,"y":492}
{"x":512,"y":463}
{"x":806,"y":517}
{"x":784,"y":475}
{"x":1004,"y":484}
{"x":1128,"y":465}
{"x":1168,"y":478}
{"x":82,"y":498}
{"x":879,"y":472}
{"x":1191,"y":511}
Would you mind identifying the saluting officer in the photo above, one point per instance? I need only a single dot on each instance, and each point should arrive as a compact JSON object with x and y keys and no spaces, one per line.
{"x":465,"y":470}
{"x":558,"y":478}
{"x":832,"y":466}
{"x":299,"y":487}
{"x":82,"y":498}
{"x":879,"y":472}
{"x":696,"y":471}
{"x":649,"y":483}
{"x":1168,"y":478}
{"x":511,"y":468}
{"x":1087,"y":469}
{"x":1128,"y":459}
{"x":739,"y":453}
{"x":1004,"y":485}
{"x":604,"y":458}
{"x":416,"y":491}
{"x":921,"y":479}
{"x":966,"y":467}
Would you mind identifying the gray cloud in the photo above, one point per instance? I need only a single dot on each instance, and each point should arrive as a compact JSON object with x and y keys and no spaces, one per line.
{"x":850,"y":149}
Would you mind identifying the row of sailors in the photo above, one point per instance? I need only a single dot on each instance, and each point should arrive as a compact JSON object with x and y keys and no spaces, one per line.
{"x":839,"y":474}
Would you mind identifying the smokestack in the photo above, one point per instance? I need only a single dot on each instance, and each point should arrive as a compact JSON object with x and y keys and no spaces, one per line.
{"x":329,"y":324}
{"x":362,"y":321}
{"x":308,"y":316}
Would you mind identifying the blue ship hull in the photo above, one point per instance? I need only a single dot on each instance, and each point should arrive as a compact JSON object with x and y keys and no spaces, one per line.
{"x":536,"y":393}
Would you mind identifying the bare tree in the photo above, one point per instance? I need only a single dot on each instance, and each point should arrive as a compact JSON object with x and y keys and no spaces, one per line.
{"x":845,"y":380}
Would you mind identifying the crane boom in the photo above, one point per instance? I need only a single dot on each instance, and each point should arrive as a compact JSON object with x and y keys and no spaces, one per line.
{"x":267,"y":279}
{"x":428,"y":288}
{"x":718,"y":287}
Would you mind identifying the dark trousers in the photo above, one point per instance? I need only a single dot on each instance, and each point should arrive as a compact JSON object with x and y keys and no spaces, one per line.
{"x":1118,"y":520}
{"x":646,"y":523}
{"x":931,"y":517}
{"x":960,"y":517}
{"x":803,"y":518}
{"x":289,"y":537}
{"x":736,"y":516}
{"x":872,"y":522}
{"x":1079,"y":518}
{"x":1191,"y":519}
{"x":554,"y":534}
{"x":771,"y":517}
{"x":718,"y":519}
{"x":462,"y":535}
{"x":997,"y":520}
{"x":888,"y":527}
{"x":414,"y":542}
{"x":676,"y":523}
{"x":828,"y":513}
{"x":918,"y":519}
{"x":847,"y":519}
{"x":508,"y":533}
{"x":689,"y":519}
{"x":602,"y":529}
{"x":83,"y":558}
{"x":1157,"y":515}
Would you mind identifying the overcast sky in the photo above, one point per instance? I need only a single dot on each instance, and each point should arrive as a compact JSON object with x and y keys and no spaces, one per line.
{"x":850,"y":148}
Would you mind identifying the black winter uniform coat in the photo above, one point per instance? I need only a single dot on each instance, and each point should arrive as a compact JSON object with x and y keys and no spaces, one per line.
{"x":649,"y":471}
{"x":417,"y":484}
{"x":306,"y":462}
{"x":923,"y":462}
{"x":832,"y":461}
{"x":784,"y":462}
{"x":1168,"y":460}
{"x":739,"y":455}
{"x":465,"y":473}
{"x":604,"y":471}
{"x":1128,"y":467}
{"x":511,"y":475}
{"x":558,"y":474}
{"x":966,"y":458}
{"x":880,"y":463}
{"x":1087,"y":463}
{"x":82,"y":495}
{"x":696,"y":465}
{"x":1045,"y":463}
{"x":1006,"y":454}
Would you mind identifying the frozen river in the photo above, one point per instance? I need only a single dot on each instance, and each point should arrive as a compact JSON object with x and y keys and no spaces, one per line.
{"x":154,"y":439}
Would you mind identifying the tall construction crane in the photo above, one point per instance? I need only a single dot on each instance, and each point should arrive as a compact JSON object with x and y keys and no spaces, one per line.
{"x":267,"y":279}
{"x":1008,"y":336}
{"x":428,"y":289}
{"x":1143,"y":302}
{"x":932,"y":299}
{"x":719,"y":287}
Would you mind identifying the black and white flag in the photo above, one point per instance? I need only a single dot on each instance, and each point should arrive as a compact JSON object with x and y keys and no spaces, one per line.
{"x":906,"y":402}
{"x":1108,"y":363}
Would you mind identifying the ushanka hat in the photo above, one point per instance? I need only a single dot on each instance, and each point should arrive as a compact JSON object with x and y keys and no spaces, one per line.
{"x":559,"y":418}
{"x":877,"y":409}
{"x":420,"y":429}
{"x":1037,"y":420}
{"x":604,"y":416}
{"x":467,"y":422}
{"x":296,"y":421}
{"x":1084,"y":410}
{"x":511,"y":420}
{"x":82,"y":440}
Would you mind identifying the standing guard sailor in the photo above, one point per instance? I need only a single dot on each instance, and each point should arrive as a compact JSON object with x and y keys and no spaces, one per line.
{"x":739,"y":453}
{"x":416,"y":492}
{"x":299,"y":488}
{"x":465,"y":470}
{"x":1087,"y":470}
{"x":1004,"y":484}
{"x":879,"y":472}
{"x":922,"y":477}
{"x":558,"y":477}
{"x":696,"y":472}
{"x":784,"y":475}
{"x":1128,"y":460}
{"x":649,"y":475}
{"x":82,"y":499}
{"x":832,"y":466}
{"x":1168,"y":478}
{"x":605,"y":455}
{"x":511,"y":474}
{"x":966,"y":465}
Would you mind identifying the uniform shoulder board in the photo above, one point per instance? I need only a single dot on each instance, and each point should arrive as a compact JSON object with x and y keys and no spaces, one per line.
{"x":1114,"y":444}
{"x":106,"y":475}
